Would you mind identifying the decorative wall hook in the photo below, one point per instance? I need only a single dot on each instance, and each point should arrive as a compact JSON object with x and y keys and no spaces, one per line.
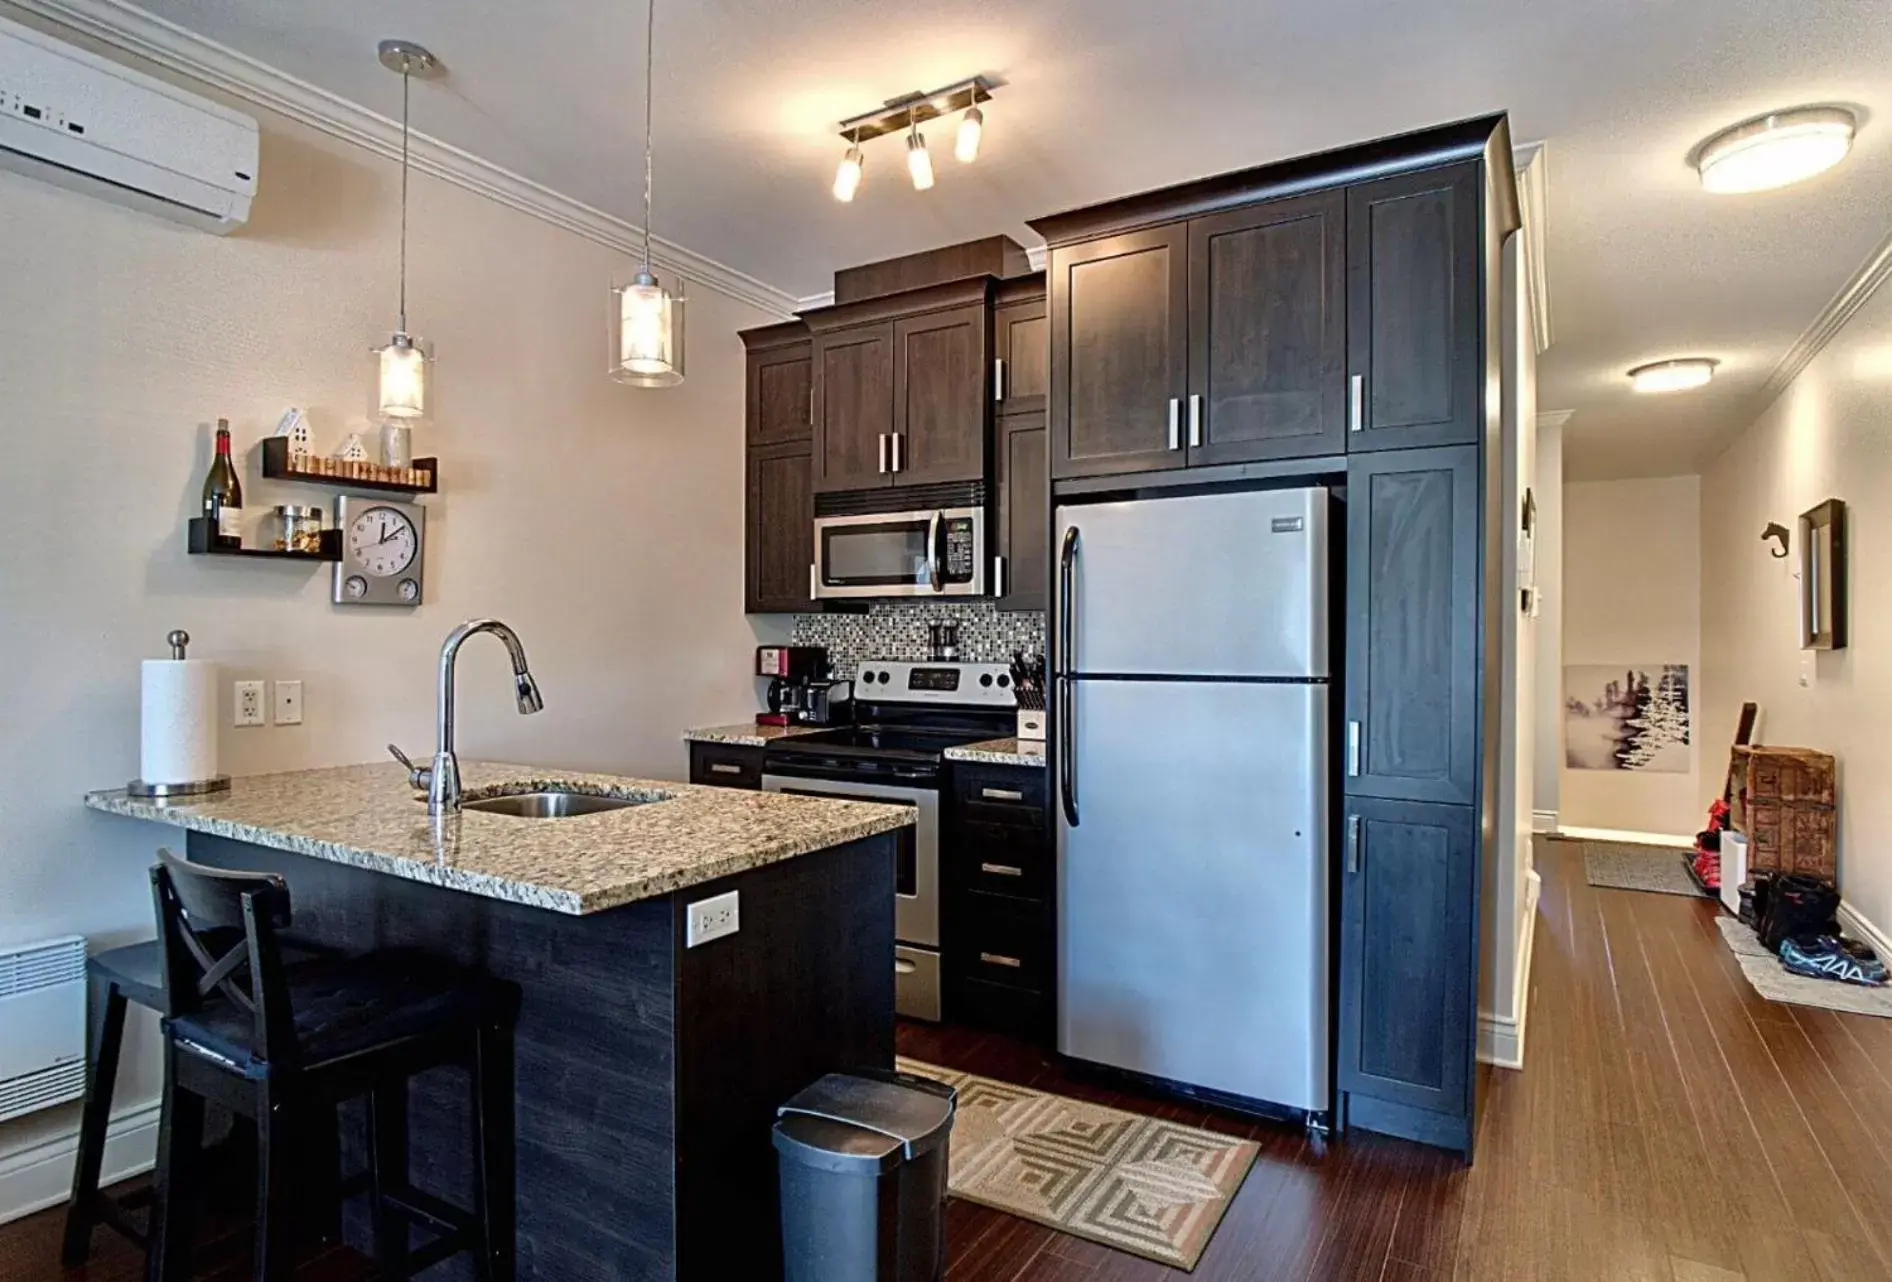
{"x":1775,"y":530}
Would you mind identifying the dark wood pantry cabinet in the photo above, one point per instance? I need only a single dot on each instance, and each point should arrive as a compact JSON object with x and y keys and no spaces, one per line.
{"x":1021,"y":374}
{"x":778,"y":497}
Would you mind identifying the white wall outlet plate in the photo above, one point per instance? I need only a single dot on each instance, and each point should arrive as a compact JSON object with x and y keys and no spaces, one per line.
{"x":288,"y":703}
{"x":712,"y":918}
{"x":249,"y":704}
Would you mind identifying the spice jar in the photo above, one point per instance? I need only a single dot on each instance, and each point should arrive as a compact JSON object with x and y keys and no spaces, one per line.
{"x":298,"y":528}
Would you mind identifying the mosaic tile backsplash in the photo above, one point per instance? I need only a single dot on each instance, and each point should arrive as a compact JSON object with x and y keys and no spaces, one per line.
{"x":898,"y":630}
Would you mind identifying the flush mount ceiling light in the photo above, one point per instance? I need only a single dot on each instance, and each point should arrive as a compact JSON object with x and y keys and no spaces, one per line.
{"x":646,"y":318}
{"x":905,"y":115}
{"x":1673,"y":376}
{"x":1775,"y":150}
{"x":403,"y":362}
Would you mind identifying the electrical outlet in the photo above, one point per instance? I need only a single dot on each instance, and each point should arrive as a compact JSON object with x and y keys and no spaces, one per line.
{"x":288,"y":703}
{"x":249,"y":704}
{"x":712,"y":918}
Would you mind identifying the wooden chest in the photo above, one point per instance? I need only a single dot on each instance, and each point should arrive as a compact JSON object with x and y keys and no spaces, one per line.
{"x":1785,"y":803}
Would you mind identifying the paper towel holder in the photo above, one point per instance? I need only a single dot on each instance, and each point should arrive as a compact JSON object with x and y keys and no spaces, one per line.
{"x":177,"y":640}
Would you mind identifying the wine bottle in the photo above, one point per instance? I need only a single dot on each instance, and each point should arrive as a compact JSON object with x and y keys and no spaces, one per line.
{"x":223,"y":494}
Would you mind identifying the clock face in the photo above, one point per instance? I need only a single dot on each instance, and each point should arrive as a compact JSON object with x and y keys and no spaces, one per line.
{"x":382,"y":541}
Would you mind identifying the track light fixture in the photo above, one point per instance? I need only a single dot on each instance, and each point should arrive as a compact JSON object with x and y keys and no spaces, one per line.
{"x":906,"y":114}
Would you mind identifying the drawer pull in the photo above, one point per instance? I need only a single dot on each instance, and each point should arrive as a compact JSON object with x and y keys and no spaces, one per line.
{"x":1000,"y":959}
{"x":1002,"y":870}
{"x":1001,"y":794}
{"x":724,"y":768}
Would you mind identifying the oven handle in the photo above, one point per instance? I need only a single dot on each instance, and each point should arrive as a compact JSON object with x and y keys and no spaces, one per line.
{"x":935,"y":561}
{"x":1067,"y":700}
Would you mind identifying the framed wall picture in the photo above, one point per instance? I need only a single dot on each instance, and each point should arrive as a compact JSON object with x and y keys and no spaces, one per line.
{"x":1823,"y":577}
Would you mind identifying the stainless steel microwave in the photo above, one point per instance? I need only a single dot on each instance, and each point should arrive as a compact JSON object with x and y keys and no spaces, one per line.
{"x":935,"y":553}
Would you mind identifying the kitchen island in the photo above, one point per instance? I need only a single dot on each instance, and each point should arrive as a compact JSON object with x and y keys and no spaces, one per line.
{"x":647,"y":1071}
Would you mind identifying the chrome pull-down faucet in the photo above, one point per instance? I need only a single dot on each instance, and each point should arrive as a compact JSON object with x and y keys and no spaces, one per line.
{"x":441,"y":781}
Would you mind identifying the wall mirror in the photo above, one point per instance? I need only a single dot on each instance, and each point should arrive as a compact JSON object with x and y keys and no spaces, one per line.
{"x":1823,"y":577}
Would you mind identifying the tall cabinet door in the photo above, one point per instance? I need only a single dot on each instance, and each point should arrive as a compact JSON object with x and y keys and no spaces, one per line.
{"x":1024,"y":491}
{"x":853,"y":383}
{"x":1268,"y":331}
{"x":1413,"y":661}
{"x":1022,"y":348}
{"x":780,"y":401}
{"x":1408,"y":928}
{"x":940,"y":396}
{"x":1413,"y":305}
{"x":780,"y":524}
{"x":1119,"y":353}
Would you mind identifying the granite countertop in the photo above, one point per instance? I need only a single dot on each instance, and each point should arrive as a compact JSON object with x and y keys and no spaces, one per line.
{"x":748,"y":734}
{"x":1001,"y":752}
{"x":368,"y":817}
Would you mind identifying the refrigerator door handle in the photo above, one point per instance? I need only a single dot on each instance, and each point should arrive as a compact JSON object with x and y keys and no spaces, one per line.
{"x":1353,"y":845}
{"x":1067,"y":654}
{"x":1353,"y":749}
{"x":935,"y":567}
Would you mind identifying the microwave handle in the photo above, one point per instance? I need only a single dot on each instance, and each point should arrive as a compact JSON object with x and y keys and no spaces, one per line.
{"x":935,"y":560}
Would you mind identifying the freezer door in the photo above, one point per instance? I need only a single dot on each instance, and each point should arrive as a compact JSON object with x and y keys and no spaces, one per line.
{"x":1193,"y":894}
{"x":1226,"y":585}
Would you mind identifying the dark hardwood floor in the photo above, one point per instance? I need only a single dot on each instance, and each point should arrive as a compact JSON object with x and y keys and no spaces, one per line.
{"x":1671,"y":1125}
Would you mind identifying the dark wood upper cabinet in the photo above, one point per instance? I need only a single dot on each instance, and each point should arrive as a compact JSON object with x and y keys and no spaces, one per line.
{"x":1119,"y":353}
{"x":779,"y":529}
{"x":940,"y":402}
{"x":1021,"y":345}
{"x":853,"y":394}
{"x":1413,"y":649}
{"x":1268,"y":331}
{"x":1408,"y":927}
{"x":781,"y":391}
{"x":1024,"y":492}
{"x":1413,"y":309}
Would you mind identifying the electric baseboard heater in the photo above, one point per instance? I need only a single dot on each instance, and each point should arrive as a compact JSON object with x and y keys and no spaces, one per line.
{"x":42,"y":1025}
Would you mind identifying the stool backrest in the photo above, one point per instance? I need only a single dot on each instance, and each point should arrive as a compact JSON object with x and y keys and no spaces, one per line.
{"x":218,"y":928}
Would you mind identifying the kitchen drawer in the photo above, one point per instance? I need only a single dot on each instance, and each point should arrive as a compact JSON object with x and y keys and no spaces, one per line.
{"x":999,"y":1007}
{"x":1013,"y":796}
{"x":998,"y":860}
{"x":726,"y":765}
{"x":1004,"y":941}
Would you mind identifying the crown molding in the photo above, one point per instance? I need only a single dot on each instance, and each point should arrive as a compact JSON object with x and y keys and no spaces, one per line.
{"x":131,"y":30}
{"x":1840,"y":309}
{"x":1534,"y":213}
{"x":1553,"y":419}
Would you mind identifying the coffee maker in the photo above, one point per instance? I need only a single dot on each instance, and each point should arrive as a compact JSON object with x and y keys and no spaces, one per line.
{"x":801,"y":689}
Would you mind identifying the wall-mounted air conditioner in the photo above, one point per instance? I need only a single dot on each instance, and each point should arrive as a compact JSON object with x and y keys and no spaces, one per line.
{"x":83,"y":122}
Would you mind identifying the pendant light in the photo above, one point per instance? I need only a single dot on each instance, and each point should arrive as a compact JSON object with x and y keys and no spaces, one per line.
{"x":646,"y":318}
{"x":971,"y":127}
{"x":919,"y":164}
{"x":403,"y":362}
{"x":847,"y":175}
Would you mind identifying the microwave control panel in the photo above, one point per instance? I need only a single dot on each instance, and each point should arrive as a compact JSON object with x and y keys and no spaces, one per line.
{"x":961,"y":550}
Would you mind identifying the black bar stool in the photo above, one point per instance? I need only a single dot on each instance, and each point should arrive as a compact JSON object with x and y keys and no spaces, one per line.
{"x":282,"y":1044}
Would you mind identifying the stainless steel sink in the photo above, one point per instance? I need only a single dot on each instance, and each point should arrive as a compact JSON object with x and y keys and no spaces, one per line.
{"x":554,"y":805}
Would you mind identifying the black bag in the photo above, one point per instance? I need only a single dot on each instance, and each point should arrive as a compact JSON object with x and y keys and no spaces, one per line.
{"x":1798,"y":905}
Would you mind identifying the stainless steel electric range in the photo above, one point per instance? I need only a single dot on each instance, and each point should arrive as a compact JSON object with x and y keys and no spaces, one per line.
{"x":906,"y":716}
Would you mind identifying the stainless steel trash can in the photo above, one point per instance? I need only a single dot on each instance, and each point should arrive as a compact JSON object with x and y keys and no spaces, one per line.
{"x":863,"y":1168}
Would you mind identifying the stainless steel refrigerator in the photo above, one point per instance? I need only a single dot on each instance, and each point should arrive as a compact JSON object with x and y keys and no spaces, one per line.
{"x":1191,"y":646}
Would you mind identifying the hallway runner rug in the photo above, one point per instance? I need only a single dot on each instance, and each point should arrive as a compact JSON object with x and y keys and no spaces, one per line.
{"x":1139,"y":1184}
{"x":1778,"y":984}
{"x":1621,"y":865}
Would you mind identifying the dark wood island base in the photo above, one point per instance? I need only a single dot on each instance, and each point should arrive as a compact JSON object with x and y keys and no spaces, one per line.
{"x":647,"y":1073}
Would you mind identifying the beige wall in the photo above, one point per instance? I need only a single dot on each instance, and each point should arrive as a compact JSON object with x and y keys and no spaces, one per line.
{"x":1632,"y":596}
{"x":604,"y":522}
{"x":1548,"y":697}
{"x":1828,"y":436}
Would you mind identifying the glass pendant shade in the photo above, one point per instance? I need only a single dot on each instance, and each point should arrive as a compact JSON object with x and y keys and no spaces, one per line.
{"x":403,"y":378}
{"x":919,"y":163}
{"x":646,"y":334}
{"x":966,"y":143}
{"x":847,"y":175}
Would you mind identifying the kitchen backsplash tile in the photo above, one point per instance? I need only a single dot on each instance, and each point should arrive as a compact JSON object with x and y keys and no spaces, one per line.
{"x":898,"y":630}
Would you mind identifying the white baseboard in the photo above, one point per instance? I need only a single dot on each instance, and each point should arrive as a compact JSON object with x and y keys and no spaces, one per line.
{"x":39,"y":1175}
{"x":1862,"y":926}
{"x":1632,"y":838}
{"x":1543,"y":821}
{"x":1501,"y":1037}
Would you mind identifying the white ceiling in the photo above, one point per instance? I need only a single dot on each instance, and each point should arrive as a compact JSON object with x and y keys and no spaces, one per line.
{"x":1107,"y":97}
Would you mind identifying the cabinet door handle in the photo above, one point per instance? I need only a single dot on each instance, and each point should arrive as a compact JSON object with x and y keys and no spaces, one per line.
{"x":1002,"y":870}
{"x":1001,"y":794}
{"x":1195,"y":420}
{"x":998,"y":576}
{"x":814,"y":581}
{"x":811,"y":407}
{"x":724,"y":768}
{"x":882,"y":467}
{"x":998,"y":378}
{"x":899,"y":453}
{"x":1175,"y":424}
{"x":1353,"y":749}
{"x":901,"y":966}
{"x":1356,"y":403}
{"x":1353,"y":845}
{"x":1000,"y":959}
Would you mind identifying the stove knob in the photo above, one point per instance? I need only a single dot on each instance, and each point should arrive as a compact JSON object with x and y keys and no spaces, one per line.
{"x":986,"y":679}
{"x":1004,"y":681}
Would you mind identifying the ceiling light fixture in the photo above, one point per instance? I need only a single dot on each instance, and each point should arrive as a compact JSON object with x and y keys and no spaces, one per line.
{"x":403,"y":362}
{"x":905,"y":115}
{"x":1776,"y":150}
{"x":1673,"y":376}
{"x":646,"y":318}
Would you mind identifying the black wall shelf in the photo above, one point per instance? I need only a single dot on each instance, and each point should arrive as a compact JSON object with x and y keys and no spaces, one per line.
{"x":201,"y":541}
{"x":276,"y":467}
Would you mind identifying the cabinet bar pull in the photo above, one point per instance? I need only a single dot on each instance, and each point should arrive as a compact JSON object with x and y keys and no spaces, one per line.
{"x":724,"y":768}
{"x":1353,"y":749}
{"x":1002,"y":870}
{"x":811,"y":407}
{"x":814,"y":581}
{"x":883,"y":453}
{"x":1195,"y":420}
{"x":998,"y":378}
{"x":1001,"y":794}
{"x":1353,"y":845}
{"x":1000,"y":959}
{"x":1356,"y":403}
{"x":998,"y":576}
{"x":1175,"y":424}
{"x":899,"y":454}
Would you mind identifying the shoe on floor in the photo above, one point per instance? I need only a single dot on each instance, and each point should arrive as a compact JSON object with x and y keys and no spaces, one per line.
{"x":1827,"y":957}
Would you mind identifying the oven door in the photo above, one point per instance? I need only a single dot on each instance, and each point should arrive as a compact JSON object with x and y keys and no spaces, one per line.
{"x":939,"y":553}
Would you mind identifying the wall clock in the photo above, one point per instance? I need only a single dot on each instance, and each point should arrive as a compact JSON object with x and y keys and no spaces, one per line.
{"x":383,"y":547}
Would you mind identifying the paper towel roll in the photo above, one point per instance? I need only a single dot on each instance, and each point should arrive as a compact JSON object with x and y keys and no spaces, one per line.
{"x":178,"y":721}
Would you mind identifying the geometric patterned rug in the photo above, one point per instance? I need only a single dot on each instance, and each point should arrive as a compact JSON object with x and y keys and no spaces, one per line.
{"x":1139,"y":1184}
